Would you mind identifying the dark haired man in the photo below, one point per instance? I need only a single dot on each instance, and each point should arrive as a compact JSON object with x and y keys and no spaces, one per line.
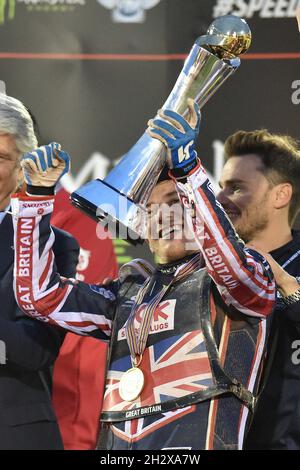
{"x":261,"y":194}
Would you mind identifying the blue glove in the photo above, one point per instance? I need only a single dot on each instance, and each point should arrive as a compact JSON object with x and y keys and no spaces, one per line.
{"x":45,"y":166}
{"x":179,"y":137}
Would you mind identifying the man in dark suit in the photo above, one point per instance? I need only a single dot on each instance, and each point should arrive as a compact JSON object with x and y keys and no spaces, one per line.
{"x":27,"y":419}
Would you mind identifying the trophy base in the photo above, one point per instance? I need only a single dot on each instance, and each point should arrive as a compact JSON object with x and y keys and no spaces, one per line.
{"x":115,"y":211}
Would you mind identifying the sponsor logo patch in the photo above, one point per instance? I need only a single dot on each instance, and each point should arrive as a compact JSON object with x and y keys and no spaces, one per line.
{"x":163,"y":318}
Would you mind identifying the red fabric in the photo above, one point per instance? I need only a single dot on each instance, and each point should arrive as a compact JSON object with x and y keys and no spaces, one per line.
{"x":79,"y":370}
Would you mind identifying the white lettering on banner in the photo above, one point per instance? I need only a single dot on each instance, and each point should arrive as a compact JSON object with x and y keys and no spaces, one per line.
{"x":24,"y":300}
{"x":163,"y":318}
{"x":263,"y":8}
{"x":143,"y":411}
{"x":296,"y":93}
{"x":199,"y":228}
{"x":23,"y":267}
{"x":24,"y":246}
{"x":216,"y":261}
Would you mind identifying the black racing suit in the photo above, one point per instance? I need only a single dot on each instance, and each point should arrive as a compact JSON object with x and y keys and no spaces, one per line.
{"x":205,"y":340}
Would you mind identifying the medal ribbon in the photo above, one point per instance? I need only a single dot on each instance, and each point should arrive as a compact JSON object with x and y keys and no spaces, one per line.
{"x":137,"y":340}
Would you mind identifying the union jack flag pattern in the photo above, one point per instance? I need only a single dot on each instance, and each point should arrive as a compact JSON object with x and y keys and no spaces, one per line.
{"x":173,"y":368}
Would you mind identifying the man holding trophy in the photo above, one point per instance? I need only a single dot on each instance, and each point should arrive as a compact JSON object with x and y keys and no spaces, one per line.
{"x":188,"y":336}
{"x":182,"y":386}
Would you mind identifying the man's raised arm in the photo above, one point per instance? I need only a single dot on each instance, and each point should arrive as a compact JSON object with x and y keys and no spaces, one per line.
{"x":242,"y":276}
{"x":39,"y":290}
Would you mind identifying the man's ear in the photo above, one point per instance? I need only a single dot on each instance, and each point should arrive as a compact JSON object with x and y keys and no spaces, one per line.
{"x":282,"y":195}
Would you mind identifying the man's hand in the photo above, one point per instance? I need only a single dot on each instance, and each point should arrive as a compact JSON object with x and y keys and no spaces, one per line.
{"x":178,"y":135}
{"x":286,"y":283}
{"x":45,"y":166}
{"x":298,"y":17}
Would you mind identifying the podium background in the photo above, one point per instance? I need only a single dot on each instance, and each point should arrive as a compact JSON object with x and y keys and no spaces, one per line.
{"x":92,"y":83}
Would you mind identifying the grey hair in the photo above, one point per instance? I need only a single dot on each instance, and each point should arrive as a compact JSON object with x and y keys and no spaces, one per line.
{"x":16,"y":121}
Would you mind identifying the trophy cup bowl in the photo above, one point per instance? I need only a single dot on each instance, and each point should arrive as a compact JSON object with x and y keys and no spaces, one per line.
{"x":119,"y":200}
